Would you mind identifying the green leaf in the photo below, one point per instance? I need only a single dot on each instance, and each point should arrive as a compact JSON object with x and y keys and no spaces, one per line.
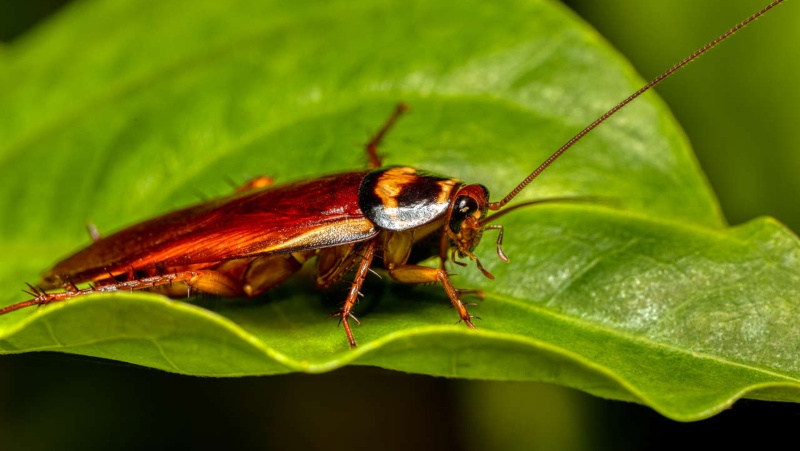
{"x":118,"y":111}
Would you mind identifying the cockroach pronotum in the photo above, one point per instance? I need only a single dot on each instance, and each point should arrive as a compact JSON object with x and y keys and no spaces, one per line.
{"x":247,"y":243}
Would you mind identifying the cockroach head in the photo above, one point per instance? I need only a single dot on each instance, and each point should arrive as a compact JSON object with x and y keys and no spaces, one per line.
{"x":467,"y":221}
{"x":464,"y":225}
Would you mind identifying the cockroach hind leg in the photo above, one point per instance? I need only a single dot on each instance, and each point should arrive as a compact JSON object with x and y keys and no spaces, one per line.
{"x":40,"y":297}
{"x":202,"y":280}
{"x":33,"y":291}
{"x":70,"y":286}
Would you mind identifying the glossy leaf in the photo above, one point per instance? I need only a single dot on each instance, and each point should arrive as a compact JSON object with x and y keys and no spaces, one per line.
{"x":117,"y":111}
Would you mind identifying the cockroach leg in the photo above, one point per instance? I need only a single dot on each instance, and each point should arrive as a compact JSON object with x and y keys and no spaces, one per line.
{"x":375,"y":160}
{"x":415,"y":274}
{"x":333,"y":263}
{"x":352,"y":296}
{"x":208,"y":281}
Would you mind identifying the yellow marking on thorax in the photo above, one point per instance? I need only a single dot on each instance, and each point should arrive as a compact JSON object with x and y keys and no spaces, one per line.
{"x":391,"y":183}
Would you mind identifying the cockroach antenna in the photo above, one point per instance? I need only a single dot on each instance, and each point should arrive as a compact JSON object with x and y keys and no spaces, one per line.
{"x":629,"y":99}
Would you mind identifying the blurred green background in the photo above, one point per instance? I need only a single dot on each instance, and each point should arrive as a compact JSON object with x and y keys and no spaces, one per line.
{"x":737,"y":104}
{"x":745,"y":141}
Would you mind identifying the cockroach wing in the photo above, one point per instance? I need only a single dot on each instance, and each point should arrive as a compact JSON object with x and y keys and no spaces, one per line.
{"x":304,"y":215}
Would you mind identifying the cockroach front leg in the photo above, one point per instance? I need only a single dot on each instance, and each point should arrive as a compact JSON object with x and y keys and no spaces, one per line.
{"x":416,"y":274}
{"x":368,"y":251}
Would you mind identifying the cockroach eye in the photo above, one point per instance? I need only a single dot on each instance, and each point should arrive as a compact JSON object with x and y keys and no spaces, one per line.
{"x":464,"y":207}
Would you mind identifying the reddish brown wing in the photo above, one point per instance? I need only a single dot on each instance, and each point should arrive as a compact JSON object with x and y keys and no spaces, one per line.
{"x":304,"y":215}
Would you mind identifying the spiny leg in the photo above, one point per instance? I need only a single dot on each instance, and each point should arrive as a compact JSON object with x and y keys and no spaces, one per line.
{"x":355,"y":290}
{"x":375,"y":160}
{"x":422,"y":274}
{"x":208,"y":281}
{"x":444,"y":249}
{"x":333,"y":263}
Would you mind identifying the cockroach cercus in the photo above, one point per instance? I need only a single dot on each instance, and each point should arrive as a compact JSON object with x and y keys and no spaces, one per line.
{"x":247,"y":243}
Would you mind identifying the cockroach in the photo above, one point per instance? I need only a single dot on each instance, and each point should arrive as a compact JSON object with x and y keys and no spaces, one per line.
{"x":247,"y":243}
